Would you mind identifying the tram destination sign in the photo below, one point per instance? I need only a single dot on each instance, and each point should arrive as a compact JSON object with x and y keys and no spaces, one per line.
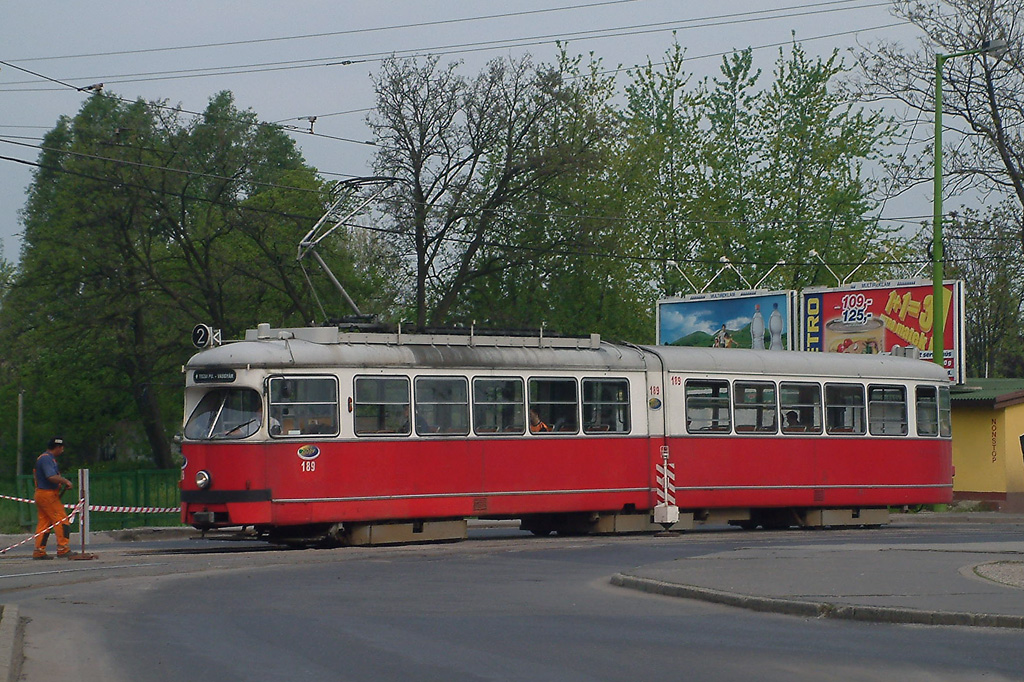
{"x":884,"y":317}
{"x":213,"y":376}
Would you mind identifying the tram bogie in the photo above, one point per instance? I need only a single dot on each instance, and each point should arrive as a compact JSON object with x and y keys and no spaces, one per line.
{"x":383,"y":438}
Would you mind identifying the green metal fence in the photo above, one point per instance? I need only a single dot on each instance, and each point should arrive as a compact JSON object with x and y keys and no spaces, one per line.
{"x":143,"y":488}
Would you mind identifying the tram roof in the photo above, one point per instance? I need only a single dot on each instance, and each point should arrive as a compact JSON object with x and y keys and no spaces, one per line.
{"x":325,"y":347}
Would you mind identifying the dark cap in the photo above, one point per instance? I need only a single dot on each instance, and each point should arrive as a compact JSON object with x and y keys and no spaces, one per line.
{"x":55,"y":443}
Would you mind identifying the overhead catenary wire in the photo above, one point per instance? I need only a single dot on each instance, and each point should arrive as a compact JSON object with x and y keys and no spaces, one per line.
{"x":298,"y":130}
{"x":546,"y":249}
{"x":569,"y":217}
{"x":331,"y":34}
{"x":532,"y":214}
{"x":499,"y":44}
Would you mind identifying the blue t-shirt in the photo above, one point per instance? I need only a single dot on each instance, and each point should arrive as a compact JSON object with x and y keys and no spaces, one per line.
{"x":46,"y":466}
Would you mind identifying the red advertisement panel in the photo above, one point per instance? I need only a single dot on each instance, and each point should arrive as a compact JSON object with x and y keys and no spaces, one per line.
{"x":878,"y":317}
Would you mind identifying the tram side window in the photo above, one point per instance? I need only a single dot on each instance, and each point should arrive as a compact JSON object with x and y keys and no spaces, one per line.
{"x":755,"y":407}
{"x":605,"y":406}
{"x":927,"y":405}
{"x":801,"y":407}
{"x":555,"y":403}
{"x":442,"y":406}
{"x":844,"y":408}
{"x":887,"y":410}
{"x":382,"y":406}
{"x":933,"y":414}
{"x":225,"y":413}
{"x":498,"y":406}
{"x":303,"y":405}
{"x":707,"y":406}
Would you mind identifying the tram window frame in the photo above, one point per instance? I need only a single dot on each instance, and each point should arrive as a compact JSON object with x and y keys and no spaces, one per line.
{"x":945,"y":413}
{"x":225,"y":413}
{"x":846,"y":418}
{"x":385,"y":412}
{"x":504,"y":414}
{"x":313,"y":415}
{"x":559,"y":412}
{"x":885,"y":408}
{"x":927,"y":410}
{"x":716,"y":403}
{"x":759,"y":407}
{"x":803,"y":400}
{"x":606,"y":406}
{"x":440,"y":415}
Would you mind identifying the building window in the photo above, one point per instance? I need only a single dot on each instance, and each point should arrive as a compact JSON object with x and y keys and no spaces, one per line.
{"x":844,"y":408}
{"x":498,"y":406}
{"x":442,"y":406}
{"x":887,"y":410}
{"x":303,"y":405}
{"x":382,"y":406}
{"x":707,"y":407}
{"x":801,"y":407}
{"x":605,"y":406}
{"x":754,"y":407}
{"x":555,"y":404}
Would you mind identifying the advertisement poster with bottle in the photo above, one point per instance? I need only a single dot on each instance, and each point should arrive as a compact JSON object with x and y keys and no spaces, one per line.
{"x":884,"y":317}
{"x":729,"y":319}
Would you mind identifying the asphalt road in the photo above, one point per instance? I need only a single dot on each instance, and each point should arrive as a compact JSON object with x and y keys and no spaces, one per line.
{"x":491,"y":608}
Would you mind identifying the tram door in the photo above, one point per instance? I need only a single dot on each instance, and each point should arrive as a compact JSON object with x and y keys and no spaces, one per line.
{"x":659,"y":407}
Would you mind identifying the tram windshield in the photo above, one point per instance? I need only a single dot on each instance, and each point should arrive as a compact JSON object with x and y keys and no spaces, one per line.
{"x":226,"y":413}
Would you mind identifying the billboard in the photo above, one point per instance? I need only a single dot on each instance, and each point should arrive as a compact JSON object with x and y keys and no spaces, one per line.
{"x":729,"y":319}
{"x":876,"y":317}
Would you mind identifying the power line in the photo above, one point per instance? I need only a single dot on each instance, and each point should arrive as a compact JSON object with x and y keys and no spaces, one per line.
{"x":532,"y":214}
{"x":150,"y":166}
{"x":478,"y":46}
{"x":463,"y":240}
{"x":305,"y":36}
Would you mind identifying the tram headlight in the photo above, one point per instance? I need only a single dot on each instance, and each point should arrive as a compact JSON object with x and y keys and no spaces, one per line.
{"x":203,"y":480}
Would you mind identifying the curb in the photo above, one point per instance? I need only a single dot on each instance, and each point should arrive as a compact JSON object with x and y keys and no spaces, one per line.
{"x":812,"y":609}
{"x":10,"y":658}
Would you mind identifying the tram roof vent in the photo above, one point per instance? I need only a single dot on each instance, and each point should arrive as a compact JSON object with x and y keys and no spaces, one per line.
{"x":331,"y":335}
{"x":311,"y":334}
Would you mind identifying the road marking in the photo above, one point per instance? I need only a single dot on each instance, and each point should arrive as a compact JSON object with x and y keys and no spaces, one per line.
{"x":77,"y":570}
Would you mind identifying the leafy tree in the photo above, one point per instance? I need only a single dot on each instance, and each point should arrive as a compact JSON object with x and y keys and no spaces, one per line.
{"x":983,"y":94}
{"x":983,"y":156}
{"x":979,"y":254}
{"x":140,"y":223}
{"x":467,"y":152}
{"x":751,"y":175}
{"x":813,"y":193}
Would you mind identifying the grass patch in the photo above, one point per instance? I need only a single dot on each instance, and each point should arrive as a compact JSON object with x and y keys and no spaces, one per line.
{"x":12,"y":513}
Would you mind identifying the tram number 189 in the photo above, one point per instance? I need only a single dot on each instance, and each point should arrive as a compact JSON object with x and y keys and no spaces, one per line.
{"x":308,"y":465}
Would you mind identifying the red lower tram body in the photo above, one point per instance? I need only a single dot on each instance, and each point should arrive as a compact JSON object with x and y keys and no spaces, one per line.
{"x":556,"y":484}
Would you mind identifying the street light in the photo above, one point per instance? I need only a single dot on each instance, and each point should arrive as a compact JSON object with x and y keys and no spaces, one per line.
{"x":993,"y":47}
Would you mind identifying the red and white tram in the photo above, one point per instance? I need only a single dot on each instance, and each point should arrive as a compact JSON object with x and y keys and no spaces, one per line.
{"x":390,"y":437}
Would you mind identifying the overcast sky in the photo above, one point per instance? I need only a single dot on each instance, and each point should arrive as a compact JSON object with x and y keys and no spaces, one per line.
{"x":283,"y":59}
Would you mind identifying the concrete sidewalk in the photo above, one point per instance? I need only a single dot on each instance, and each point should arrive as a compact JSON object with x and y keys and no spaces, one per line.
{"x":935,"y":584}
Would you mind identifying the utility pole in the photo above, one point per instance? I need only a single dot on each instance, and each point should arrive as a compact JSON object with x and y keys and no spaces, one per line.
{"x":21,"y":421}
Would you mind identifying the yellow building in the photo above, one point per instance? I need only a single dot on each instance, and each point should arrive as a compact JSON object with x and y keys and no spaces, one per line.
{"x":988,"y":442}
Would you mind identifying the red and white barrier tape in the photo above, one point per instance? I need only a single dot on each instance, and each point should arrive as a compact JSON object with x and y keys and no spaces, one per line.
{"x":109,"y":508}
{"x":75,"y":508}
{"x":134,"y":510}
